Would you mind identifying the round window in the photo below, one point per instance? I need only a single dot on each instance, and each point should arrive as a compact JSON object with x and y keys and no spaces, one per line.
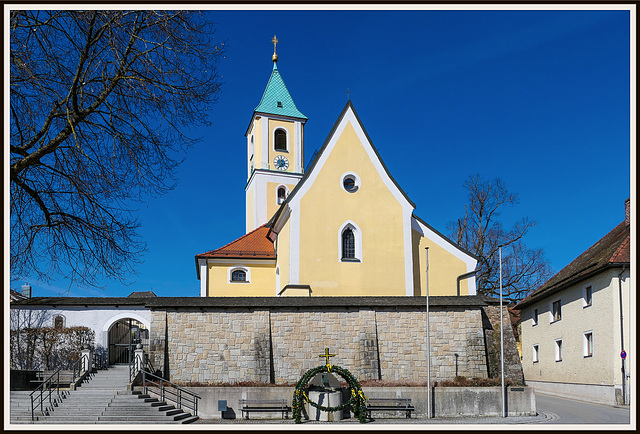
{"x":350,"y":182}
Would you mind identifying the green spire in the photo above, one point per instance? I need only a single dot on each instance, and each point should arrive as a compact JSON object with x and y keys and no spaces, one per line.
{"x":276,"y":99}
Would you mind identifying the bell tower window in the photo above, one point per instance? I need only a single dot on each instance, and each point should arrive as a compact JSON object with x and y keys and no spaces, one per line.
{"x":282,"y":194}
{"x":280,"y":137}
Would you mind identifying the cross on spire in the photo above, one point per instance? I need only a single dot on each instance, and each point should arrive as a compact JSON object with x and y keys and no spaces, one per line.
{"x":275,"y":42}
{"x":327,"y":355}
{"x":348,"y":95}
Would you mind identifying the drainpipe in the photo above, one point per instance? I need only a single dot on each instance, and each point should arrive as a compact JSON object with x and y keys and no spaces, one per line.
{"x":465,"y":276}
{"x":624,"y":380}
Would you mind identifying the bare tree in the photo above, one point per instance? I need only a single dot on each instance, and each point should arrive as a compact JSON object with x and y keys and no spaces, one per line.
{"x":101,"y":102}
{"x":480,"y":232}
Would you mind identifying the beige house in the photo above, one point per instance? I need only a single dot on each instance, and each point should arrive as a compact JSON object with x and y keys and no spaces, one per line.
{"x":575,"y":327}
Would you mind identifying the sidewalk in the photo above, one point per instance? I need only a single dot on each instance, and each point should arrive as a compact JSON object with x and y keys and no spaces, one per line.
{"x":512,"y":420}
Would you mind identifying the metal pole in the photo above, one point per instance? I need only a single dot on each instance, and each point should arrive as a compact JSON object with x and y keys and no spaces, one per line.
{"x":501,"y":339}
{"x":428,"y":342}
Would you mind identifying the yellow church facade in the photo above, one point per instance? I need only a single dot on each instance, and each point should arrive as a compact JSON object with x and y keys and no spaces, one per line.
{"x":343,"y":227}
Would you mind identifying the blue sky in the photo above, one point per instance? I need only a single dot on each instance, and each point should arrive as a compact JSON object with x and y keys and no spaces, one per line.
{"x":537,"y":98}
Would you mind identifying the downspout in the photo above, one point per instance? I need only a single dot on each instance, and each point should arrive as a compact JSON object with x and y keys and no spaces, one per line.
{"x":465,"y":276}
{"x":624,"y":380}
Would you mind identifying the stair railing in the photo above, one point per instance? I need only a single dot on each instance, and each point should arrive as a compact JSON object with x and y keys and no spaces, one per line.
{"x":99,"y":361}
{"x":49,"y":390}
{"x":168,"y":391}
{"x":132,"y":369}
{"x":45,"y":392}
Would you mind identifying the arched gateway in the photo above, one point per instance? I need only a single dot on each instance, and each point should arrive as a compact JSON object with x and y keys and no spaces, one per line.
{"x":124,"y":335}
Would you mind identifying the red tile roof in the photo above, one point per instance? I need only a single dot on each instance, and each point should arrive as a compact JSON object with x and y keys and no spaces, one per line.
{"x":613,"y":249}
{"x":254,"y":245}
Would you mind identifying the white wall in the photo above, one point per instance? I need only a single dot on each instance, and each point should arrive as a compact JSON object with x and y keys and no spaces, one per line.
{"x":99,"y":319}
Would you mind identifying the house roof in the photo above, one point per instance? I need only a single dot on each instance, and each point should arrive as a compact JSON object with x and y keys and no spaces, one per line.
{"x":254,"y":245}
{"x":276,"y":99}
{"x":15,"y":295}
{"x":142,"y":294}
{"x":612,"y":250}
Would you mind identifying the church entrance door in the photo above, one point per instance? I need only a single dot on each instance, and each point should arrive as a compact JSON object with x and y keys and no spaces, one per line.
{"x":124,"y":335}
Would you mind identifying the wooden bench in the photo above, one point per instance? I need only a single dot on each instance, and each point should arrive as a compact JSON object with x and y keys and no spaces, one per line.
{"x":390,"y":404}
{"x":264,"y":405}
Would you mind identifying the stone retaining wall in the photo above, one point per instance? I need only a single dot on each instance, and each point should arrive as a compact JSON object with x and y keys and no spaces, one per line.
{"x":277,"y":345}
{"x":447,"y":401}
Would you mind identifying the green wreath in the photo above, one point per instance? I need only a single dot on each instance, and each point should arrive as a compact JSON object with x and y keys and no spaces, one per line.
{"x":357,"y":401}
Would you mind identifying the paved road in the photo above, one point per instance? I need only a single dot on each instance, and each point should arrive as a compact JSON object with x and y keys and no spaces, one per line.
{"x":568,"y":411}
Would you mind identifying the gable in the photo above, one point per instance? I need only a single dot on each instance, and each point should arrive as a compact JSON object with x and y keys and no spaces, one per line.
{"x":347,"y":117}
{"x":349,"y":123}
{"x":321,"y":207}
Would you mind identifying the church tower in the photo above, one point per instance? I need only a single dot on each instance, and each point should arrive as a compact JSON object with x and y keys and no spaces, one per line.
{"x":275,"y":150}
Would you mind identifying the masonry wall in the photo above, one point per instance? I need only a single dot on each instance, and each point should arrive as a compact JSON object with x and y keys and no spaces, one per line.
{"x":277,"y":345}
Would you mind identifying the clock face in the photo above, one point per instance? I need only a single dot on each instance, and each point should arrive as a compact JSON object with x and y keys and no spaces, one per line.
{"x":281,"y":162}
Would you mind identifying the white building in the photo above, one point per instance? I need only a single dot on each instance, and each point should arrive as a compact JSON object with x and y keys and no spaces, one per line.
{"x":575,"y":327}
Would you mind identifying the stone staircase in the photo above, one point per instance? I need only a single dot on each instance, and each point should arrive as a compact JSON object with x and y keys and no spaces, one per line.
{"x":102,"y":398}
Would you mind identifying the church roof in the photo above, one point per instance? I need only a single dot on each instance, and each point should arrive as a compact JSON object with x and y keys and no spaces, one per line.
{"x":612,"y":250}
{"x":276,"y":99}
{"x":254,"y":245}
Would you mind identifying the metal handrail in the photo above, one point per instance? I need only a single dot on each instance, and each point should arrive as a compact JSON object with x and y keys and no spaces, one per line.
{"x":99,"y":361}
{"x":132,"y":369}
{"x":181,"y":396}
{"x":47,"y":386}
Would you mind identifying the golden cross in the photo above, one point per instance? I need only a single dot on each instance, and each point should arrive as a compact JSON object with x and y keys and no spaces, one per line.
{"x":275,"y":41}
{"x":327,"y":355}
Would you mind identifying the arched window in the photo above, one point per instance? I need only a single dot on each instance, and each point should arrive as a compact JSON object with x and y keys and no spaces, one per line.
{"x":348,"y":244}
{"x":58,"y":322}
{"x":239,"y":276}
{"x":282,"y":194}
{"x":280,"y":137}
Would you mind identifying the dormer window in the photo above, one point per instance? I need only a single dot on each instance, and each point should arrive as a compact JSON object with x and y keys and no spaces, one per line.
{"x":280,"y":140}
{"x":279,"y":104}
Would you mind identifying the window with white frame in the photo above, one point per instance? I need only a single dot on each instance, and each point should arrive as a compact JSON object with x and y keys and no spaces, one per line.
{"x":536,"y":353}
{"x":556,"y":311}
{"x":239,"y":274}
{"x":558,"y":346}
{"x":58,"y":322}
{"x":587,"y":298}
{"x":587,"y":343}
{"x":280,"y":140}
{"x":281,"y":194}
{"x":350,"y":182}
{"x":534,"y":317}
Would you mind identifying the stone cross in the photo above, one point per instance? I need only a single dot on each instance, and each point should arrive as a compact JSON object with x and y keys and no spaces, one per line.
{"x":327,"y":355}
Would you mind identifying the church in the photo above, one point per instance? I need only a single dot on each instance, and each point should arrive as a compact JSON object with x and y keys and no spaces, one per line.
{"x":341,"y":227}
{"x":334,"y":256}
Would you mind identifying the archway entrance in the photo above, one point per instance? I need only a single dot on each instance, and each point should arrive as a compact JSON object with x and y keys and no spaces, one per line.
{"x":124,"y":335}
